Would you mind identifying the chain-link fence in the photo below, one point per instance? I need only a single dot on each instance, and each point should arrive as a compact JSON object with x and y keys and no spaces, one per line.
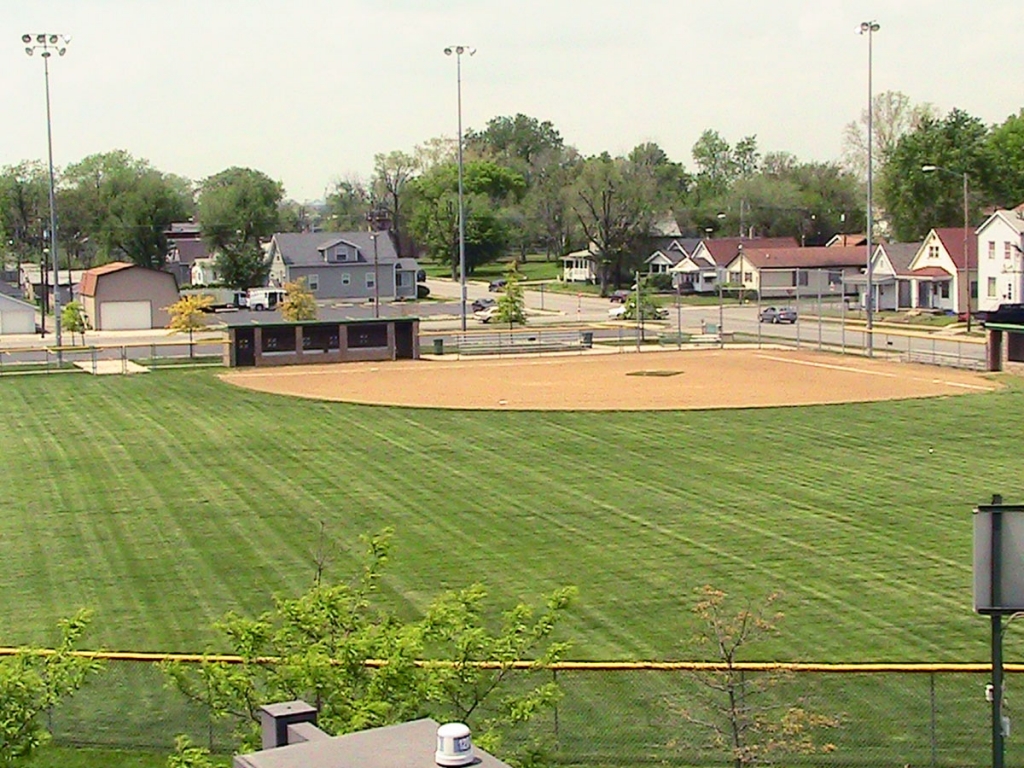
{"x":112,"y":358}
{"x":610,"y":715}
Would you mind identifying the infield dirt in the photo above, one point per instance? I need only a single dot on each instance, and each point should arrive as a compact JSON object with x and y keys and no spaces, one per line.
{"x":719,"y":378}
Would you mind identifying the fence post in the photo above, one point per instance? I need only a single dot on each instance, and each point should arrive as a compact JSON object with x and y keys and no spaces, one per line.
{"x":554,"y":679}
{"x":931,"y":691}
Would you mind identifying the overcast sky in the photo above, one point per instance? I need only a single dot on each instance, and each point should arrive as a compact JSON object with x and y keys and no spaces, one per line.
{"x":308,"y":91}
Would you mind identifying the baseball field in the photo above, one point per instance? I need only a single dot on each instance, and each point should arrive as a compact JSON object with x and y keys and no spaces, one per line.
{"x":161,"y":501}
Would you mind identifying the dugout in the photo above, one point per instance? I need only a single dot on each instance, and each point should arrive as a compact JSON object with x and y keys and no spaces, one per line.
{"x":319,"y":341}
{"x":1005,"y":329}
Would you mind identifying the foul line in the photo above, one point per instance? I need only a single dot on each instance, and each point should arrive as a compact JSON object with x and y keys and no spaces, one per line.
{"x":885,"y":374}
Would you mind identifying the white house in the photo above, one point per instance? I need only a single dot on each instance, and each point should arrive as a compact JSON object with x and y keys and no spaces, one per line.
{"x":579,"y":267}
{"x":1001,"y":260}
{"x":940,"y":270}
{"x":892,"y":281}
{"x":204,"y":271}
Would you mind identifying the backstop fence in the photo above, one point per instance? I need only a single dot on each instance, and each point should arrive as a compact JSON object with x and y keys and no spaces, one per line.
{"x":617,"y":714}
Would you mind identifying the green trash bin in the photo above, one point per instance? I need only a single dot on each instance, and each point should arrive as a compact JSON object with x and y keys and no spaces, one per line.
{"x":588,"y":339}
{"x":438,"y":346}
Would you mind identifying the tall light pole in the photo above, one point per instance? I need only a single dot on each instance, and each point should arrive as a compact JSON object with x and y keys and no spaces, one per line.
{"x":869,"y":28}
{"x":967,"y":224}
{"x":46,"y":44}
{"x":458,"y":50}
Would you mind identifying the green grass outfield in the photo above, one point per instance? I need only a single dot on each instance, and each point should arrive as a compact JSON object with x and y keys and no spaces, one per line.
{"x":163,"y":501}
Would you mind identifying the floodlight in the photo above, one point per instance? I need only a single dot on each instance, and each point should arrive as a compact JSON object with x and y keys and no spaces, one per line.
{"x":41,"y":39}
{"x":26,"y":39}
{"x":447,"y":51}
{"x":53,"y":39}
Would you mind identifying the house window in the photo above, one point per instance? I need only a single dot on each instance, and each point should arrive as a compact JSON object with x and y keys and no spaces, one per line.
{"x":991,"y":290}
{"x":370,"y":280}
{"x":991,"y":249}
{"x":346,"y":278}
{"x":313,"y":282}
{"x":933,"y":251}
{"x":748,"y":277}
{"x":734,"y":277}
{"x":944,"y":290}
{"x":801,"y":278}
{"x":1006,"y":251}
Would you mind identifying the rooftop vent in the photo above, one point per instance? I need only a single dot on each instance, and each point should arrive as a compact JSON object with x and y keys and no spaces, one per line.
{"x":454,"y":746}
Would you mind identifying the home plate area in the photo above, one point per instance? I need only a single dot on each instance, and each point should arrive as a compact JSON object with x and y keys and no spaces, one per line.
{"x":719,"y":378}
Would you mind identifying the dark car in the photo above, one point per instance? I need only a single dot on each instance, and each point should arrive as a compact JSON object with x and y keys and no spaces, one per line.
{"x":619,"y":297}
{"x":780,"y":315}
{"x":497,"y":285}
{"x":479,"y":304}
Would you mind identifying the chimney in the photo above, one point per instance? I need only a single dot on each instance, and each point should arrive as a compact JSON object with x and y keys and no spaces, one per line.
{"x":454,"y":746}
{"x":275,"y":719}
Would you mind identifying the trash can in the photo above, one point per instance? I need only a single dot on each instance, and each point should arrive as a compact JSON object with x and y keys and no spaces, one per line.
{"x":587,"y":339}
{"x":438,"y":346}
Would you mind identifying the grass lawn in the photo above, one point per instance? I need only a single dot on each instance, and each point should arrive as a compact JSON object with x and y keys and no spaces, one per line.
{"x":163,"y":501}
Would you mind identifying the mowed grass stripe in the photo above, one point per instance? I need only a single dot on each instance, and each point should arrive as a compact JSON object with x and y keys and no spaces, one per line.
{"x":866,"y":534}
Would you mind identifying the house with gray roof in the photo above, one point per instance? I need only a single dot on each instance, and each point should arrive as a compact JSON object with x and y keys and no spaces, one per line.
{"x":343,"y":265}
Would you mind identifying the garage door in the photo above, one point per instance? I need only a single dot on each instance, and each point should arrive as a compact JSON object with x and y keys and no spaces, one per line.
{"x":125,"y":315}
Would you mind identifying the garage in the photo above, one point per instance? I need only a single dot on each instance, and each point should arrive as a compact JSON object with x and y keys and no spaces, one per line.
{"x":126,"y":315}
{"x":126,"y":297}
{"x":16,"y":316}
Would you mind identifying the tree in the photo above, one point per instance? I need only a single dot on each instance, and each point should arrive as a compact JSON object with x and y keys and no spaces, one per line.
{"x":238,"y":209}
{"x":347,"y":204}
{"x":615,"y":206}
{"x":122,"y":207}
{"x":24,"y":209}
{"x":320,"y":642}
{"x":745,"y":713}
{"x":517,"y":142}
{"x":482,"y":660}
{"x":915,"y":201}
{"x":716,"y":166}
{"x":32,"y":683}
{"x":892,"y":116}
{"x":392,"y":174}
{"x":1006,"y":148}
{"x":488,"y":188}
{"x":189,"y":314}
{"x":511,"y":304}
{"x":72,"y":317}
{"x":299,"y":303}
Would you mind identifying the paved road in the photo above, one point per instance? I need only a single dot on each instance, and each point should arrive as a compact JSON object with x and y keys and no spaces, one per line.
{"x":443,"y":317}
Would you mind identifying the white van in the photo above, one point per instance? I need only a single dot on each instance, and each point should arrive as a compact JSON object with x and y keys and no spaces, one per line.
{"x":265,"y":298}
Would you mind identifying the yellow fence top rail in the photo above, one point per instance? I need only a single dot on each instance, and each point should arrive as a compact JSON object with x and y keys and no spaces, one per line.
{"x":568,"y":666}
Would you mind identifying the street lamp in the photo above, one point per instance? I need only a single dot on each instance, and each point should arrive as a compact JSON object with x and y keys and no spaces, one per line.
{"x":869,"y":28}
{"x":46,"y":44}
{"x":458,"y":50}
{"x":967,"y":224}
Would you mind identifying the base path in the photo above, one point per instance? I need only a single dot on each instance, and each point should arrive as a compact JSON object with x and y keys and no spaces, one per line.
{"x":721,"y":378}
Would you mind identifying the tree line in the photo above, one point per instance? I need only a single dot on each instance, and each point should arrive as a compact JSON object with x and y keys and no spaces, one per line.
{"x":527,"y":191}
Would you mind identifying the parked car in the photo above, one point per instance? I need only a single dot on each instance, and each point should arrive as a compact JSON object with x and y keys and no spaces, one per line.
{"x":619,"y":312}
{"x":488,"y":314}
{"x":481,"y":304}
{"x":497,"y":285}
{"x":780,"y":315}
{"x":619,"y":297}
